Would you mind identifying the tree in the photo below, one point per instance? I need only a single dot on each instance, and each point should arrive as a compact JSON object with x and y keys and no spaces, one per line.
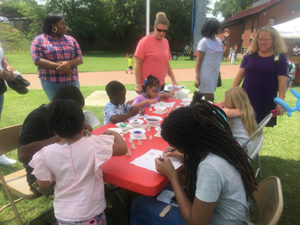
{"x":230,"y":7}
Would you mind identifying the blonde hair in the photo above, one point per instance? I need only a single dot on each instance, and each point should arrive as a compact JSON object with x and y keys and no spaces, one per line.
{"x":278,"y":45}
{"x":161,"y":18}
{"x":237,"y":98}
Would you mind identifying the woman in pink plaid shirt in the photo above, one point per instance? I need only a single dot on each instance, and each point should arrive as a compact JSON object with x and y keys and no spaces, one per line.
{"x":57,"y":56}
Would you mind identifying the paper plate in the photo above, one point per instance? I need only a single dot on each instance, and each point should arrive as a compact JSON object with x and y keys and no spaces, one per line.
{"x":137,"y":131}
{"x":136,"y":122}
{"x":123,"y":125}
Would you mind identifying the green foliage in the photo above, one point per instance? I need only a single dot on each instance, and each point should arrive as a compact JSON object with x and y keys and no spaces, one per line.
{"x":12,"y":40}
{"x":229,"y":8}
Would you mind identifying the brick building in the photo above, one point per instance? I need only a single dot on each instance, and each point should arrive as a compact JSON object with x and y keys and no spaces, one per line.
{"x":244,"y":25}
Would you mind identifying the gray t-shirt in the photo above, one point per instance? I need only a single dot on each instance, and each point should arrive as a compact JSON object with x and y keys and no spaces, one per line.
{"x":239,"y":132}
{"x":218,"y":181}
{"x":210,"y":66}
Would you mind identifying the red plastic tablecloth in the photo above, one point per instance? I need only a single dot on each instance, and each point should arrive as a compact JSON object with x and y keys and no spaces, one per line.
{"x":120,"y":172}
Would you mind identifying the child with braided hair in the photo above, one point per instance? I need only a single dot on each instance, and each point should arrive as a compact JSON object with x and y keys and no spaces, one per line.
{"x":219,"y":180}
{"x":150,"y":94}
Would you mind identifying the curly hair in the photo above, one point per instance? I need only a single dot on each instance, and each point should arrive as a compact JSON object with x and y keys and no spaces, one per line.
{"x":150,"y":81}
{"x":278,"y":46}
{"x":197,"y":131}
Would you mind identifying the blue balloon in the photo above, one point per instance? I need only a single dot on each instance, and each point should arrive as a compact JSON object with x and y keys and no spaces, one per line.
{"x":287,"y":108}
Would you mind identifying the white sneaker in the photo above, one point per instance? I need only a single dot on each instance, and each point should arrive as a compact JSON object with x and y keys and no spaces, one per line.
{"x":6,"y":161}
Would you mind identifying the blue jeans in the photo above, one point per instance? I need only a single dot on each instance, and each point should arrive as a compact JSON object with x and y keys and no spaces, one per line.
{"x":51,"y":88}
{"x":1,"y":103}
{"x":146,"y":210}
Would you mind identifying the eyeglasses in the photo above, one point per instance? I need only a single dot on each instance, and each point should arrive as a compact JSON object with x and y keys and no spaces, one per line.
{"x":161,"y":31}
{"x":265,"y":39}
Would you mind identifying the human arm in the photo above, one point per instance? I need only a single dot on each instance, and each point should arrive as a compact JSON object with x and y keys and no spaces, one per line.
{"x":138,"y":74}
{"x":231,"y":113}
{"x":225,"y":41}
{"x":119,"y":146}
{"x":171,"y":75}
{"x":166,"y":95}
{"x":199,"y":60}
{"x":239,"y":77}
{"x":43,"y":184}
{"x":6,"y":65}
{"x":25,"y":152}
{"x":145,"y":102}
{"x":6,"y":75}
{"x":66,"y":66}
{"x":194,"y":212}
{"x":281,"y":93}
{"x":122,"y":117}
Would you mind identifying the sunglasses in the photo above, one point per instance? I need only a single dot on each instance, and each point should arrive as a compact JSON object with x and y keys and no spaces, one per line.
{"x":161,"y":31}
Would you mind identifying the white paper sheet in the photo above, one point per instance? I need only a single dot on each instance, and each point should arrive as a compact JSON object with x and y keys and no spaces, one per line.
{"x":148,"y":160}
{"x":166,"y":196}
{"x":165,"y":104}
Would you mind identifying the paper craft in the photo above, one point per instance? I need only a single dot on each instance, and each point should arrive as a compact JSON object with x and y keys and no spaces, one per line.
{"x":147,"y":160}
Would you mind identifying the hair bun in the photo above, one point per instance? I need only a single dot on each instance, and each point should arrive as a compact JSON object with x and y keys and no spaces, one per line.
{"x":160,"y":14}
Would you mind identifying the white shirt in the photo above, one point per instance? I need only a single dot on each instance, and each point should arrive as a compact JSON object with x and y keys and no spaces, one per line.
{"x":210,"y":66}
{"x":1,"y":57}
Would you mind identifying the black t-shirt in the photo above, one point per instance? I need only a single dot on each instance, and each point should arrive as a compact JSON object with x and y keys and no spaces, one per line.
{"x":34,"y":129}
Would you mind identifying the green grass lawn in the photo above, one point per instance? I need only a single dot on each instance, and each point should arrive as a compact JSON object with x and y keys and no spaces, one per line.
{"x":94,"y":62}
{"x":280,"y":156}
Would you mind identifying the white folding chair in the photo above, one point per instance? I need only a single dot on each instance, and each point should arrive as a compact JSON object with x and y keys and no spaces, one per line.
{"x":253,"y":145}
{"x":91,"y":119}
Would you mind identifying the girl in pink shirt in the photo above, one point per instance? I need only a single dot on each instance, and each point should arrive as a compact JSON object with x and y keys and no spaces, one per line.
{"x":150,"y":93}
{"x":74,"y":164}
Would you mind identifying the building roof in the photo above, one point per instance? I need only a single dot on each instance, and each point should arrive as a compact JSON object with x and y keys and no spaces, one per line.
{"x":251,"y":11}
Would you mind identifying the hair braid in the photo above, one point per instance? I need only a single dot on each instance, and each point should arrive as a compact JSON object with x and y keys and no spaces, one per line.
{"x":199,"y":130}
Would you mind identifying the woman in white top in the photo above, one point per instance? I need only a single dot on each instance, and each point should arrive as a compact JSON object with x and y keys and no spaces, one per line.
{"x":219,"y":178}
{"x":209,"y":55}
{"x":238,"y":109}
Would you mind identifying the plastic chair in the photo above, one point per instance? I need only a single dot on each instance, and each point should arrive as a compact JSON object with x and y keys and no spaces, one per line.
{"x":14,"y":183}
{"x":91,"y":119}
{"x":269,"y":200}
{"x":253,"y":145}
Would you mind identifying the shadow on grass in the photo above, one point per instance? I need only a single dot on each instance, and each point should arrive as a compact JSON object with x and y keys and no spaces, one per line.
{"x":288,"y":172}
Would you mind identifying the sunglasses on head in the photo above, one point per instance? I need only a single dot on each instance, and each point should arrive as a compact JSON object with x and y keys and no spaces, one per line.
{"x":160,"y":30}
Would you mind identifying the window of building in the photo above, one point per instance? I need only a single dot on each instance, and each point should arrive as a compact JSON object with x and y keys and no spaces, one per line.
{"x":272,"y":21}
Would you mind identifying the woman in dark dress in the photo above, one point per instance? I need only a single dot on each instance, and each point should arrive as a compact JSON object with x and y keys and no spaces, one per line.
{"x":264,"y":71}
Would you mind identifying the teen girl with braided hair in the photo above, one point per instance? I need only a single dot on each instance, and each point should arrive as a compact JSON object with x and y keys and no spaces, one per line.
{"x":219,"y":178}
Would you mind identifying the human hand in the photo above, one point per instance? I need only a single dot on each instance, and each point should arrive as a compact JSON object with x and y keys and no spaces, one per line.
{"x":171,"y":93}
{"x":197,"y":83}
{"x":226,"y":33}
{"x":87,"y":129}
{"x":8,"y":76}
{"x":280,"y":110}
{"x":10,"y":68}
{"x":142,"y":111}
{"x":165,"y":167}
{"x":65,"y":67}
{"x":222,"y":104}
{"x":138,"y":89}
{"x":133,"y":111}
{"x":152,"y":101}
{"x":172,"y":152}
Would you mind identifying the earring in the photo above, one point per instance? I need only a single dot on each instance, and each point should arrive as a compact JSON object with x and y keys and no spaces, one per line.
{"x":54,"y":30}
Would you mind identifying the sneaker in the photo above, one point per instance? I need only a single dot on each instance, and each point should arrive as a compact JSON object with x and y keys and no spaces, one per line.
{"x":6,"y":161}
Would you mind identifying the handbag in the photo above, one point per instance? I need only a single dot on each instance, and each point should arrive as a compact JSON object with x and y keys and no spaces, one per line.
{"x":219,"y":83}
{"x":3,"y":87}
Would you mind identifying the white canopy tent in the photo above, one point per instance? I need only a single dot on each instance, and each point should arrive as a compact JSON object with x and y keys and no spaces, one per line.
{"x":289,"y":29}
